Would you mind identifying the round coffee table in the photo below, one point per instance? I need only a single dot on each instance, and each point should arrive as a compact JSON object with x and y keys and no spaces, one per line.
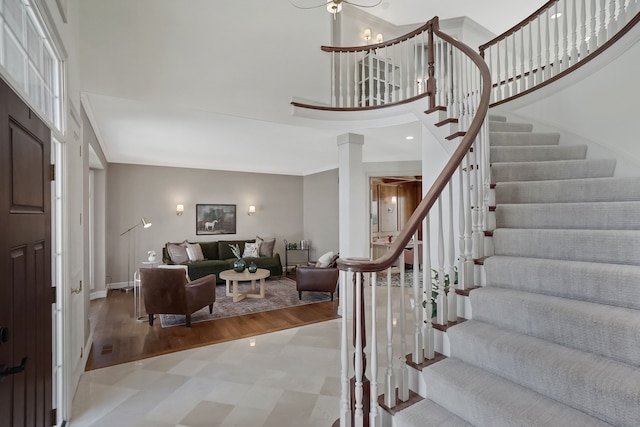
{"x":233,"y":277}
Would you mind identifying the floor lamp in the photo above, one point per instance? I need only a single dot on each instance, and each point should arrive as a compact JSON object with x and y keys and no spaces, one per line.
{"x":145,"y":224}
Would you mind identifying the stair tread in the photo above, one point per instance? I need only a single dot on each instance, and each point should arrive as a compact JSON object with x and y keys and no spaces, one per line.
{"x":611,"y":284}
{"x":569,"y":190}
{"x":487,"y":399}
{"x":501,"y":154}
{"x":552,"y":170}
{"x":563,"y":321}
{"x":567,"y":244}
{"x":427,"y":413}
{"x":585,"y":215}
{"x":511,"y":139}
{"x":590,"y":383}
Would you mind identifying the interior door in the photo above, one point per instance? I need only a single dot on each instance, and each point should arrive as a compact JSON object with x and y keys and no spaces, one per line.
{"x":26,"y":294}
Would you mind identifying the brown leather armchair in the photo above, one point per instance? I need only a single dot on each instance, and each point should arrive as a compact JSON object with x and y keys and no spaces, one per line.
{"x":319,"y":279}
{"x":167,"y":291}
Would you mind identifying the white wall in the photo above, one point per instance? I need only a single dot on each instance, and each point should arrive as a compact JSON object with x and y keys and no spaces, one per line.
{"x":134,"y":191}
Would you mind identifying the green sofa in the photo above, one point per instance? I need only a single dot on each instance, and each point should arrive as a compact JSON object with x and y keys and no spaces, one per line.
{"x":218,"y":257}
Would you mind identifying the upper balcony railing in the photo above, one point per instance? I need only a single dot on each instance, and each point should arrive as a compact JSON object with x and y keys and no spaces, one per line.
{"x":553,"y":41}
{"x":372,"y":76}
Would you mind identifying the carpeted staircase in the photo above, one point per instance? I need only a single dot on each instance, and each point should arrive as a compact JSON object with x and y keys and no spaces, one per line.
{"x":555,"y":334}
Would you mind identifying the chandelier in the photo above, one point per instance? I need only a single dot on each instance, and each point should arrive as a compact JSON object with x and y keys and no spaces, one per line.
{"x":335,"y":6}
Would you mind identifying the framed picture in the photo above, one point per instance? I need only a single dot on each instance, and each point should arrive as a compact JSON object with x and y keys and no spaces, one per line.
{"x":215,"y":219}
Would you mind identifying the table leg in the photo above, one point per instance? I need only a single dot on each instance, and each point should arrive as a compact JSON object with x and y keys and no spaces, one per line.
{"x":236,"y":297}
{"x":261,"y":288}
{"x":228,"y":290}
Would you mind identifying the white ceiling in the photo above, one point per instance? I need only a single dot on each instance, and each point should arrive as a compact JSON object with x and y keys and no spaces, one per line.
{"x":208,"y":84}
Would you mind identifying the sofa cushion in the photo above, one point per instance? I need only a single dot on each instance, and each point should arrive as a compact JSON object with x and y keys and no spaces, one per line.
{"x":194,"y":252}
{"x":178,"y":252}
{"x":266,"y":246}
{"x":251,"y":250}
{"x":209,"y":250}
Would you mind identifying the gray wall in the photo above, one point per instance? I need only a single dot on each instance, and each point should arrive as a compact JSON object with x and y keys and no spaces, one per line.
{"x":134,"y":191}
{"x":320,"y":201}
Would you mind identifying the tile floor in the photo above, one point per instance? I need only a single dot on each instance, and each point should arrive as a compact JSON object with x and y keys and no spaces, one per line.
{"x":287,"y":378}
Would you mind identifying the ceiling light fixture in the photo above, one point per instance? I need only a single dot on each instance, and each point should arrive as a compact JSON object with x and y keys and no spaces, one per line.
{"x":335,"y":6}
{"x":556,"y":15}
{"x":409,"y":137}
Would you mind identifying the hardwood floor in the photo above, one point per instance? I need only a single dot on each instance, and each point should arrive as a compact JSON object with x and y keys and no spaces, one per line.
{"x":118,"y":338}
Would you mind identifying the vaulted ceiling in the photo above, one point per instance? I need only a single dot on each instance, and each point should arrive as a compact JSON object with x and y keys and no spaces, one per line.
{"x":208,"y":84}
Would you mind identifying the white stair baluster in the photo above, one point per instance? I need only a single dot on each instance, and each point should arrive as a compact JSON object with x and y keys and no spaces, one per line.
{"x":593,"y":40}
{"x":416,"y":354}
{"x":390,"y":382}
{"x":441,"y":313}
{"x":403,"y":377}
{"x":602,"y":30}
{"x":345,"y":413}
{"x":452,"y":307}
{"x":564,"y":64}
{"x":547,"y":65}
{"x":373,"y":405}
{"x":427,"y":290}
{"x":359,"y":351}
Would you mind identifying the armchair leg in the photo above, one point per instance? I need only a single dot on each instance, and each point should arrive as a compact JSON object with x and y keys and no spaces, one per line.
{"x":150,"y":319}
{"x":188,"y":320}
{"x":210,"y":308}
{"x":300,"y":295}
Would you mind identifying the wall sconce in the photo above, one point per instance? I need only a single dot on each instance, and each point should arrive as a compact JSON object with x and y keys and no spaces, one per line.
{"x":179,"y":209}
{"x":252,"y":210}
{"x":367,"y":34}
{"x":394,"y":199}
{"x":379,"y":38}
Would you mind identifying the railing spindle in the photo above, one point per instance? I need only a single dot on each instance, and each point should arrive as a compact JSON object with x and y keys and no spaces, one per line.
{"x":345,"y":410}
{"x":390,"y":382}
{"x":427,"y":289}
{"x":452,"y":307}
{"x":373,"y":404}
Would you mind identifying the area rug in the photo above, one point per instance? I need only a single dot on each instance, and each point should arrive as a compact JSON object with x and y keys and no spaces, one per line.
{"x":279,"y":293}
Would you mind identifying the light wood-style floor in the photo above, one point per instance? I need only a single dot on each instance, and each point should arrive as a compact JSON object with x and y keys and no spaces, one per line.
{"x":118,"y":338}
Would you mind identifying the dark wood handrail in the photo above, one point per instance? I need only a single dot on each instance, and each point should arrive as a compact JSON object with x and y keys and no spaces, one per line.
{"x":516,"y":27}
{"x":368,"y":47}
{"x":421,"y":211}
{"x":365,"y":108}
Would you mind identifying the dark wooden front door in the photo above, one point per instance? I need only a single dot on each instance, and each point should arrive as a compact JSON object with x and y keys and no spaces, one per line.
{"x":25,"y":265}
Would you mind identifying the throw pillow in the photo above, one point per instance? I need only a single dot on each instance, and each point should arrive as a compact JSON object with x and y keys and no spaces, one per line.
{"x":266,"y":246}
{"x":333,"y":262}
{"x":251,"y":250}
{"x":194,"y":252}
{"x":324,"y":260}
{"x":177,"y":253}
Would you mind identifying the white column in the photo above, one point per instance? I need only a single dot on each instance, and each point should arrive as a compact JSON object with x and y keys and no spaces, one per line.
{"x":353,"y":211}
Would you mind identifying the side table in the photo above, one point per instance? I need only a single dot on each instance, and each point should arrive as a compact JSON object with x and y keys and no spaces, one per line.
{"x":137,"y":291}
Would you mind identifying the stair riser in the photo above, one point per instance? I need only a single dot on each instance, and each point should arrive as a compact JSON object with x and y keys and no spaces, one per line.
{"x":541,"y":171}
{"x":611,"y":284}
{"x":576,"y":245}
{"x":584,"y":381}
{"x":498,"y":139}
{"x":537,"y":154}
{"x":568,"y":191}
{"x":601,"y":215}
{"x":608,"y":331}
{"x":509,"y":127}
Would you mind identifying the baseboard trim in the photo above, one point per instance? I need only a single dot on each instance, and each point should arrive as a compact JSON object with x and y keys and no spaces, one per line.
{"x":97,"y":295}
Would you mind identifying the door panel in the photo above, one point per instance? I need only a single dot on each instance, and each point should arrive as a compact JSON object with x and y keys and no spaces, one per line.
{"x":25,"y":263}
